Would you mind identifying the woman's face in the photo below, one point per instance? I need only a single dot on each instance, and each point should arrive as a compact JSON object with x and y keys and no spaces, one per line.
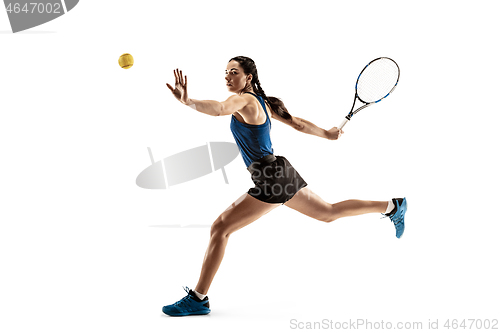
{"x":236,"y":79}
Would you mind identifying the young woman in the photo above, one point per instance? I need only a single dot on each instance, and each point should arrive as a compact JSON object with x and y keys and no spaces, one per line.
{"x":276,"y":181}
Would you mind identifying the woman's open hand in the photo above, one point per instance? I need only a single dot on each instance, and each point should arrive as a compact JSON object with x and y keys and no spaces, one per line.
{"x":180,"y":91}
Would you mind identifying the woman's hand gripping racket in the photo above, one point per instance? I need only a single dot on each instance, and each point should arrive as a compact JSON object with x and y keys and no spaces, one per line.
{"x":375,"y":82}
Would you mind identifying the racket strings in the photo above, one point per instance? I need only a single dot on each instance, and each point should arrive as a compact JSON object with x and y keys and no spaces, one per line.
{"x":377,"y":80}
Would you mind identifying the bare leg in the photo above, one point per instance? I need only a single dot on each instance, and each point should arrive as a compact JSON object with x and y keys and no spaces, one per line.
{"x":309,"y":203}
{"x":241,"y":213}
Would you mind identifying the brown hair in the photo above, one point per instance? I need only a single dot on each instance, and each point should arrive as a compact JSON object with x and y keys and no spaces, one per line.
{"x":276,"y":104}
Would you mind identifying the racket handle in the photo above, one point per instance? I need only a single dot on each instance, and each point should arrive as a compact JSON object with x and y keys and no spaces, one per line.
{"x":343,"y":123}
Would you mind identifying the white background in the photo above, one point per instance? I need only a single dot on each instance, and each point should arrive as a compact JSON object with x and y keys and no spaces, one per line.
{"x":83,"y":249}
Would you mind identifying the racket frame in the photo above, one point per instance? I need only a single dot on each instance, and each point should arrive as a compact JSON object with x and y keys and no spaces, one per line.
{"x":356,"y":96}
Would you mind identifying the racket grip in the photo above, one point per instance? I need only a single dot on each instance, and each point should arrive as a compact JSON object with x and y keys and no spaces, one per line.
{"x":343,"y":123}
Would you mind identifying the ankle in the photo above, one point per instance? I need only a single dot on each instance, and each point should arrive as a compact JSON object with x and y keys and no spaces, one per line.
{"x":390,"y":207}
{"x":201,"y":296}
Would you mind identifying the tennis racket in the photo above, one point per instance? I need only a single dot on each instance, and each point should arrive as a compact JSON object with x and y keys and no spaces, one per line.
{"x":375,"y":82}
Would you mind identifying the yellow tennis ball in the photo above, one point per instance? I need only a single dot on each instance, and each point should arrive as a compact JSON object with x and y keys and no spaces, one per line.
{"x":126,"y":61}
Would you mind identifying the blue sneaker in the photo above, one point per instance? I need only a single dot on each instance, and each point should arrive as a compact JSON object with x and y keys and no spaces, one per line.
{"x":397,"y":216}
{"x":189,"y":305}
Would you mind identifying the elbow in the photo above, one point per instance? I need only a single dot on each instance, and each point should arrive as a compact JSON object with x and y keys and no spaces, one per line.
{"x":297,"y":124}
{"x":219,"y":111}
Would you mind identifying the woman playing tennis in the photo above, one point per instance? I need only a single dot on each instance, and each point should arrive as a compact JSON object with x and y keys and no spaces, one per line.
{"x":276,"y":181}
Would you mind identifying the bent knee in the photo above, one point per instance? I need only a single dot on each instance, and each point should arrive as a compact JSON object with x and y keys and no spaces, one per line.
{"x":219,"y":228}
{"x":329,"y":216}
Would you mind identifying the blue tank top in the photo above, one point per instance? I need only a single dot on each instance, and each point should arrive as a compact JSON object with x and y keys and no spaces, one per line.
{"x":254,"y":141}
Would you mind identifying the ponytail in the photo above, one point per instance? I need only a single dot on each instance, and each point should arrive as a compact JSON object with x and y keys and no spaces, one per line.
{"x":276,"y":104}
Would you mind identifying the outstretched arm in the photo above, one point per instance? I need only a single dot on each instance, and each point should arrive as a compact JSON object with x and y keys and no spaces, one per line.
{"x":307,"y":127}
{"x":212,"y":108}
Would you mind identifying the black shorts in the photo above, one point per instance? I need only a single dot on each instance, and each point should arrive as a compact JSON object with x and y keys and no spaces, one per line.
{"x":275,"y":179}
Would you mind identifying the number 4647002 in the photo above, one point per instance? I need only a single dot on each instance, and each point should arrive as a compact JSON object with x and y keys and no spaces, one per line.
{"x":472,"y":324}
{"x":34,"y":7}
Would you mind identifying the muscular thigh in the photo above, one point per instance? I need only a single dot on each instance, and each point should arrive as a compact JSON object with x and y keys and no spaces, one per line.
{"x":309,"y":203}
{"x":240,"y":213}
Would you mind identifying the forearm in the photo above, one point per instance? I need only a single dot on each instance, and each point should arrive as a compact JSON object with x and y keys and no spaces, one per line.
{"x":307,"y":127}
{"x":212,"y":108}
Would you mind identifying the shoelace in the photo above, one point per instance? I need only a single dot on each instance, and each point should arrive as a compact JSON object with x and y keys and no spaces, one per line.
{"x":393,"y":218}
{"x":186,"y":298}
